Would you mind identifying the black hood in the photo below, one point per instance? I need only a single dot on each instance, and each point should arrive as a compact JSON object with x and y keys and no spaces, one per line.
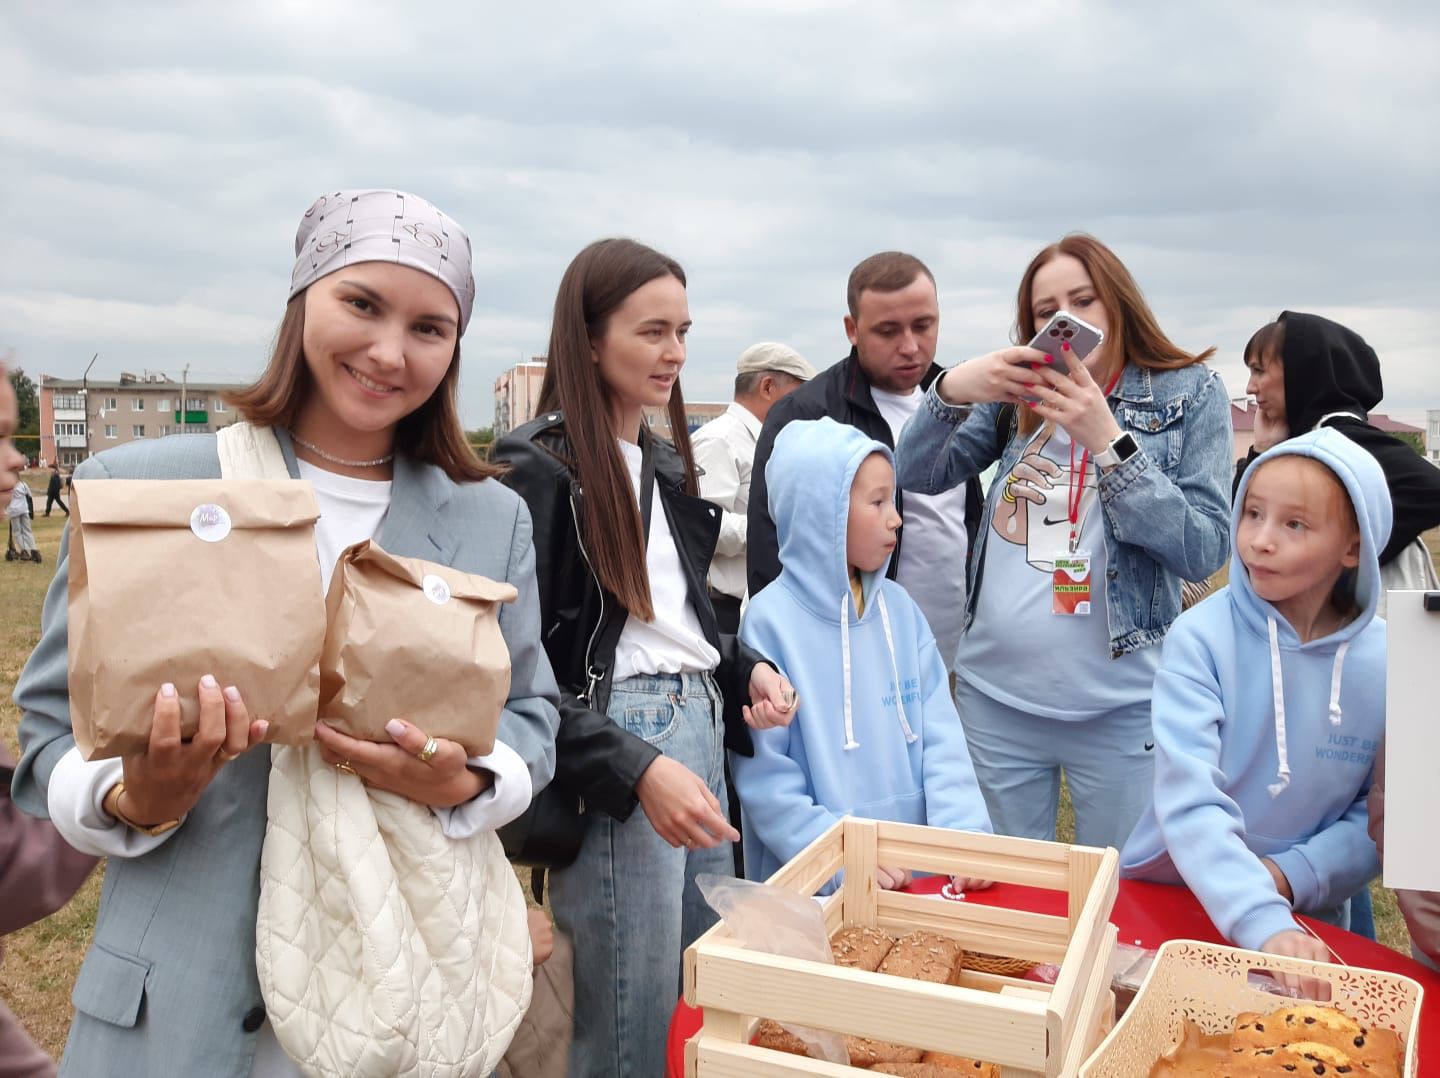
{"x":1328,"y":368}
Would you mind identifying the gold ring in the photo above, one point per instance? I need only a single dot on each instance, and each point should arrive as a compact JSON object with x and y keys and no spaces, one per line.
{"x":431,"y":747}
{"x":226,"y":757}
{"x":345,"y":767}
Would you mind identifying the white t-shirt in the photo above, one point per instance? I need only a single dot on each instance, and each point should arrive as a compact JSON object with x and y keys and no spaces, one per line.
{"x":351,"y":510}
{"x":1017,"y":650}
{"x":673,"y":643}
{"x":932,"y":552}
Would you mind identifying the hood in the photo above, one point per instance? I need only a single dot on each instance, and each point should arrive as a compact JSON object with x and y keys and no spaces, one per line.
{"x":1328,"y":368}
{"x":808,"y":477}
{"x":1369,"y":494}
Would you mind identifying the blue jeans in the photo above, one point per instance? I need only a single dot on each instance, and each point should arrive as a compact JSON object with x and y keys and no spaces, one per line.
{"x":1018,"y":758}
{"x":629,"y":902}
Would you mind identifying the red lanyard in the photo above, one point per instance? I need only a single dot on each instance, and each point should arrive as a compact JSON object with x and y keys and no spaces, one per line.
{"x":1077,"y":486}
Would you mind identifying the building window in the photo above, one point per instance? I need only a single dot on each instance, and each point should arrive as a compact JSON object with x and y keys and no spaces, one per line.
{"x":137,"y":404}
{"x":69,"y":458}
{"x":111,"y":405}
{"x":110,"y":430}
{"x":138,"y":430}
{"x":195,"y":404}
{"x":219,"y":405}
{"x":69,"y":402}
{"x":163,"y":404}
{"x":69,"y":429}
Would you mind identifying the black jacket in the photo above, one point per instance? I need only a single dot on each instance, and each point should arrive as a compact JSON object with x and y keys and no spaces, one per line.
{"x":841,"y":392}
{"x":595,"y":758}
{"x":1332,"y":379}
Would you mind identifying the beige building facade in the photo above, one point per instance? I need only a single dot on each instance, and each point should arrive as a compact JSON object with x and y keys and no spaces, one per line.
{"x":81,"y":417}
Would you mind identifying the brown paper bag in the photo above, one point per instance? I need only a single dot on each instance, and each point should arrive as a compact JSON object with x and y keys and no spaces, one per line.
{"x":411,"y":639}
{"x":172,"y":579}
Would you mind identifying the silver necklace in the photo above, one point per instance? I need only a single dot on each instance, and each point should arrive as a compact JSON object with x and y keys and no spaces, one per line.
{"x":386,"y":459}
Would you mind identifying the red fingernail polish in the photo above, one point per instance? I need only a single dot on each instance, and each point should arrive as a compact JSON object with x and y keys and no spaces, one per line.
{"x":1065,"y":345}
{"x":1032,"y":404}
{"x":1049,"y":359}
{"x":1029,"y":385}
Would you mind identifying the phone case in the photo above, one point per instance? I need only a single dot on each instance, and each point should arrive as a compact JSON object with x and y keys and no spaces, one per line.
{"x":1064,"y":326}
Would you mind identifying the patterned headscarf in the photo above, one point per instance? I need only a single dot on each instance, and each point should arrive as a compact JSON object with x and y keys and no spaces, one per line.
{"x":347,"y":227}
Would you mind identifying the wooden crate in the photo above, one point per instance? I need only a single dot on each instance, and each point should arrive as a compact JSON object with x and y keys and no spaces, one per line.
{"x":1209,"y":985}
{"x":1026,"y":1027}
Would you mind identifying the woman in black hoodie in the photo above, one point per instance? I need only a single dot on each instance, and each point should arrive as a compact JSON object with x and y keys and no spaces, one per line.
{"x":1308,"y":372}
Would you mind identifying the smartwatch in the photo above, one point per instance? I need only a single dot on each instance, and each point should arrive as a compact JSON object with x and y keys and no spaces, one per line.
{"x":1118,"y":451}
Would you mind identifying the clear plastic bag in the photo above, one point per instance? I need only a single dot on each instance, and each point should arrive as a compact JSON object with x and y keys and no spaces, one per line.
{"x":777,"y":921}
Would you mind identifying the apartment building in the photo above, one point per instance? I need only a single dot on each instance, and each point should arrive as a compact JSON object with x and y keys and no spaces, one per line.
{"x":79,"y":417}
{"x":517,"y":395}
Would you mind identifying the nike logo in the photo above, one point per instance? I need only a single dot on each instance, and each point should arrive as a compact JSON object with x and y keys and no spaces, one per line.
{"x":1149,"y":745}
{"x":1050,"y":523}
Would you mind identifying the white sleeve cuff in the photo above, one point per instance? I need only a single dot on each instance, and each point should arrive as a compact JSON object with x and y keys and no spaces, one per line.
{"x":508,"y":796}
{"x":74,"y":796}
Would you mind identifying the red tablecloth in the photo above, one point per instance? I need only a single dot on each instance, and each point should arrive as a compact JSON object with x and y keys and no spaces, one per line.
{"x":1148,"y":914}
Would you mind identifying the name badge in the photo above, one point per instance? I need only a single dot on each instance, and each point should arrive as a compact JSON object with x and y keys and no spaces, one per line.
{"x":1070,"y":584}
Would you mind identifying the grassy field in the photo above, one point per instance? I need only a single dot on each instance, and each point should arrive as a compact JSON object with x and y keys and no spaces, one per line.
{"x":40,"y":962}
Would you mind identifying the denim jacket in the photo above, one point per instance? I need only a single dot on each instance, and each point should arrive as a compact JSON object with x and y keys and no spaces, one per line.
{"x":1166,"y":509}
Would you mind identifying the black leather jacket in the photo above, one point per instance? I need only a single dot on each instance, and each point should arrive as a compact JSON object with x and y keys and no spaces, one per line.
{"x":596,"y":758}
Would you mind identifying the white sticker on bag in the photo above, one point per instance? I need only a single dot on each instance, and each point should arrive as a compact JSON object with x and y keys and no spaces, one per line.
{"x":435,"y":589}
{"x":210,"y":522}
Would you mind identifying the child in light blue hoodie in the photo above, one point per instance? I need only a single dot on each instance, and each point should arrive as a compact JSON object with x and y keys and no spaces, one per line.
{"x":1270,"y":702}
{"x":877,"y":734}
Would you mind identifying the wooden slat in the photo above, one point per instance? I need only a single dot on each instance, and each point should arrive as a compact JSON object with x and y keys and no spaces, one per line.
{"x":811,"y":868}
{"x":1092,"y":1021}
{"x":1037,"y":937}
{"x":965,"y":853}
{"x":857,"y":892}
{"x":939,"y":1017}
{"x":720,"y":1059}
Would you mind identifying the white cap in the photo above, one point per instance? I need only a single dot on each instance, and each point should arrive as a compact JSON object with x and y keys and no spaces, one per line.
{"x":769,"y":356}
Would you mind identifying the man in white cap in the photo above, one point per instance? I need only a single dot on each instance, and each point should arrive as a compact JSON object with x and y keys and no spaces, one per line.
{"x":725,"y":450}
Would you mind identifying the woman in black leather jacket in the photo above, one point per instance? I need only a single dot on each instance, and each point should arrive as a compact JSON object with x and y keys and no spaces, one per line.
{"x":652,"y":692}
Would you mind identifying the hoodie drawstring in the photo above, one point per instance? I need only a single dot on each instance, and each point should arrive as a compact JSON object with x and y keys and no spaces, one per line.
{"x":1335,"y":683}
{"x":845,"y":603}
{"x":1277,"y":686}
{"x":910,"y":737}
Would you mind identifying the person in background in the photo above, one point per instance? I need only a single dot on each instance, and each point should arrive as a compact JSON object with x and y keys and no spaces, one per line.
{"x":724,"y":453}
{"x":1117,"y":464}
{"x":1262,"y":768}
{"x":20,"y":511}
{"x":52,"y":492}
{"x":39,"y":871}
{"x":1421,"y":909}
{"x":893,"y":325}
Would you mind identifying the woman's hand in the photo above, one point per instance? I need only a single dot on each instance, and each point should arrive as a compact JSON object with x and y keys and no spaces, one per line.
{"x":961,"y":884}
{"x":1075,"y":402}
{"x":542,"y":935}
{"x":772,"y":699}
{"x":681,"y":807}
{"x":442,"y":781}
{"x":165,"y":781}
{"x":1005,"y":375}
{"x":1269,"y":432}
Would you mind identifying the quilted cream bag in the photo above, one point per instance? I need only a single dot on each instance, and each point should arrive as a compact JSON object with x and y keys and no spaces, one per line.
{"x":383,"y":947}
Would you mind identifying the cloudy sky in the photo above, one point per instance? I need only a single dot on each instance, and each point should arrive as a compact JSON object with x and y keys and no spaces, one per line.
{"x":1240,"y":157}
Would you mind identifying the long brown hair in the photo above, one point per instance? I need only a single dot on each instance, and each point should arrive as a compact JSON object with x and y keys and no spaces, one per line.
{"x":1133,"y":337}
{"x":431,"y":434}
{"x":595,"y":284}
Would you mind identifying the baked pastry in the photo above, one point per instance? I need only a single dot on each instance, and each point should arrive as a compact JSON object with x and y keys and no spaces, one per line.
{"x":867,"y":1053}
{"x":1378,"y":1050}
{"x":919,"y":1070}
{"x":861,"y":947}
{"x":770,"y":1034}
{"x":925,"y":956}
{"x":972,"y":1068}
{"x":1302,"y":1057}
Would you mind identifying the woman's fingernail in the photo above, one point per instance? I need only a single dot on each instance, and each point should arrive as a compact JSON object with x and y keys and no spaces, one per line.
{"x":1065,"y":345}
{"x":232,"y":694}
{"x":262,"y":728}
{"x":1032,"y":404}
{"x":1049,"y":359}
{"x":209,"y":682}
{"x":168,"y":691}
{"x":1029,"y":385}
{"x":395,"y":728}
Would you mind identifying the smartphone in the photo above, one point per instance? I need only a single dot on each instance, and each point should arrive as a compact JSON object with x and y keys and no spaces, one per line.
{"x":1064,"y":326}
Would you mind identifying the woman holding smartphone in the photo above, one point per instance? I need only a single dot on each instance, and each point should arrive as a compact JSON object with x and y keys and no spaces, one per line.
{"x":651,"y":691}
{"x":360,"y":394}
{"x":1110,"y":491}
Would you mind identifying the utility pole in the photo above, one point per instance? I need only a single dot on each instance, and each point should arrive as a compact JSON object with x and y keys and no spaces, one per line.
{"x":85,"y":395}
{"x":184,"y":389}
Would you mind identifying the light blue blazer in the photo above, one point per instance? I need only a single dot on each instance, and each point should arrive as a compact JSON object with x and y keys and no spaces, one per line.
{"x":169,"y":985}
